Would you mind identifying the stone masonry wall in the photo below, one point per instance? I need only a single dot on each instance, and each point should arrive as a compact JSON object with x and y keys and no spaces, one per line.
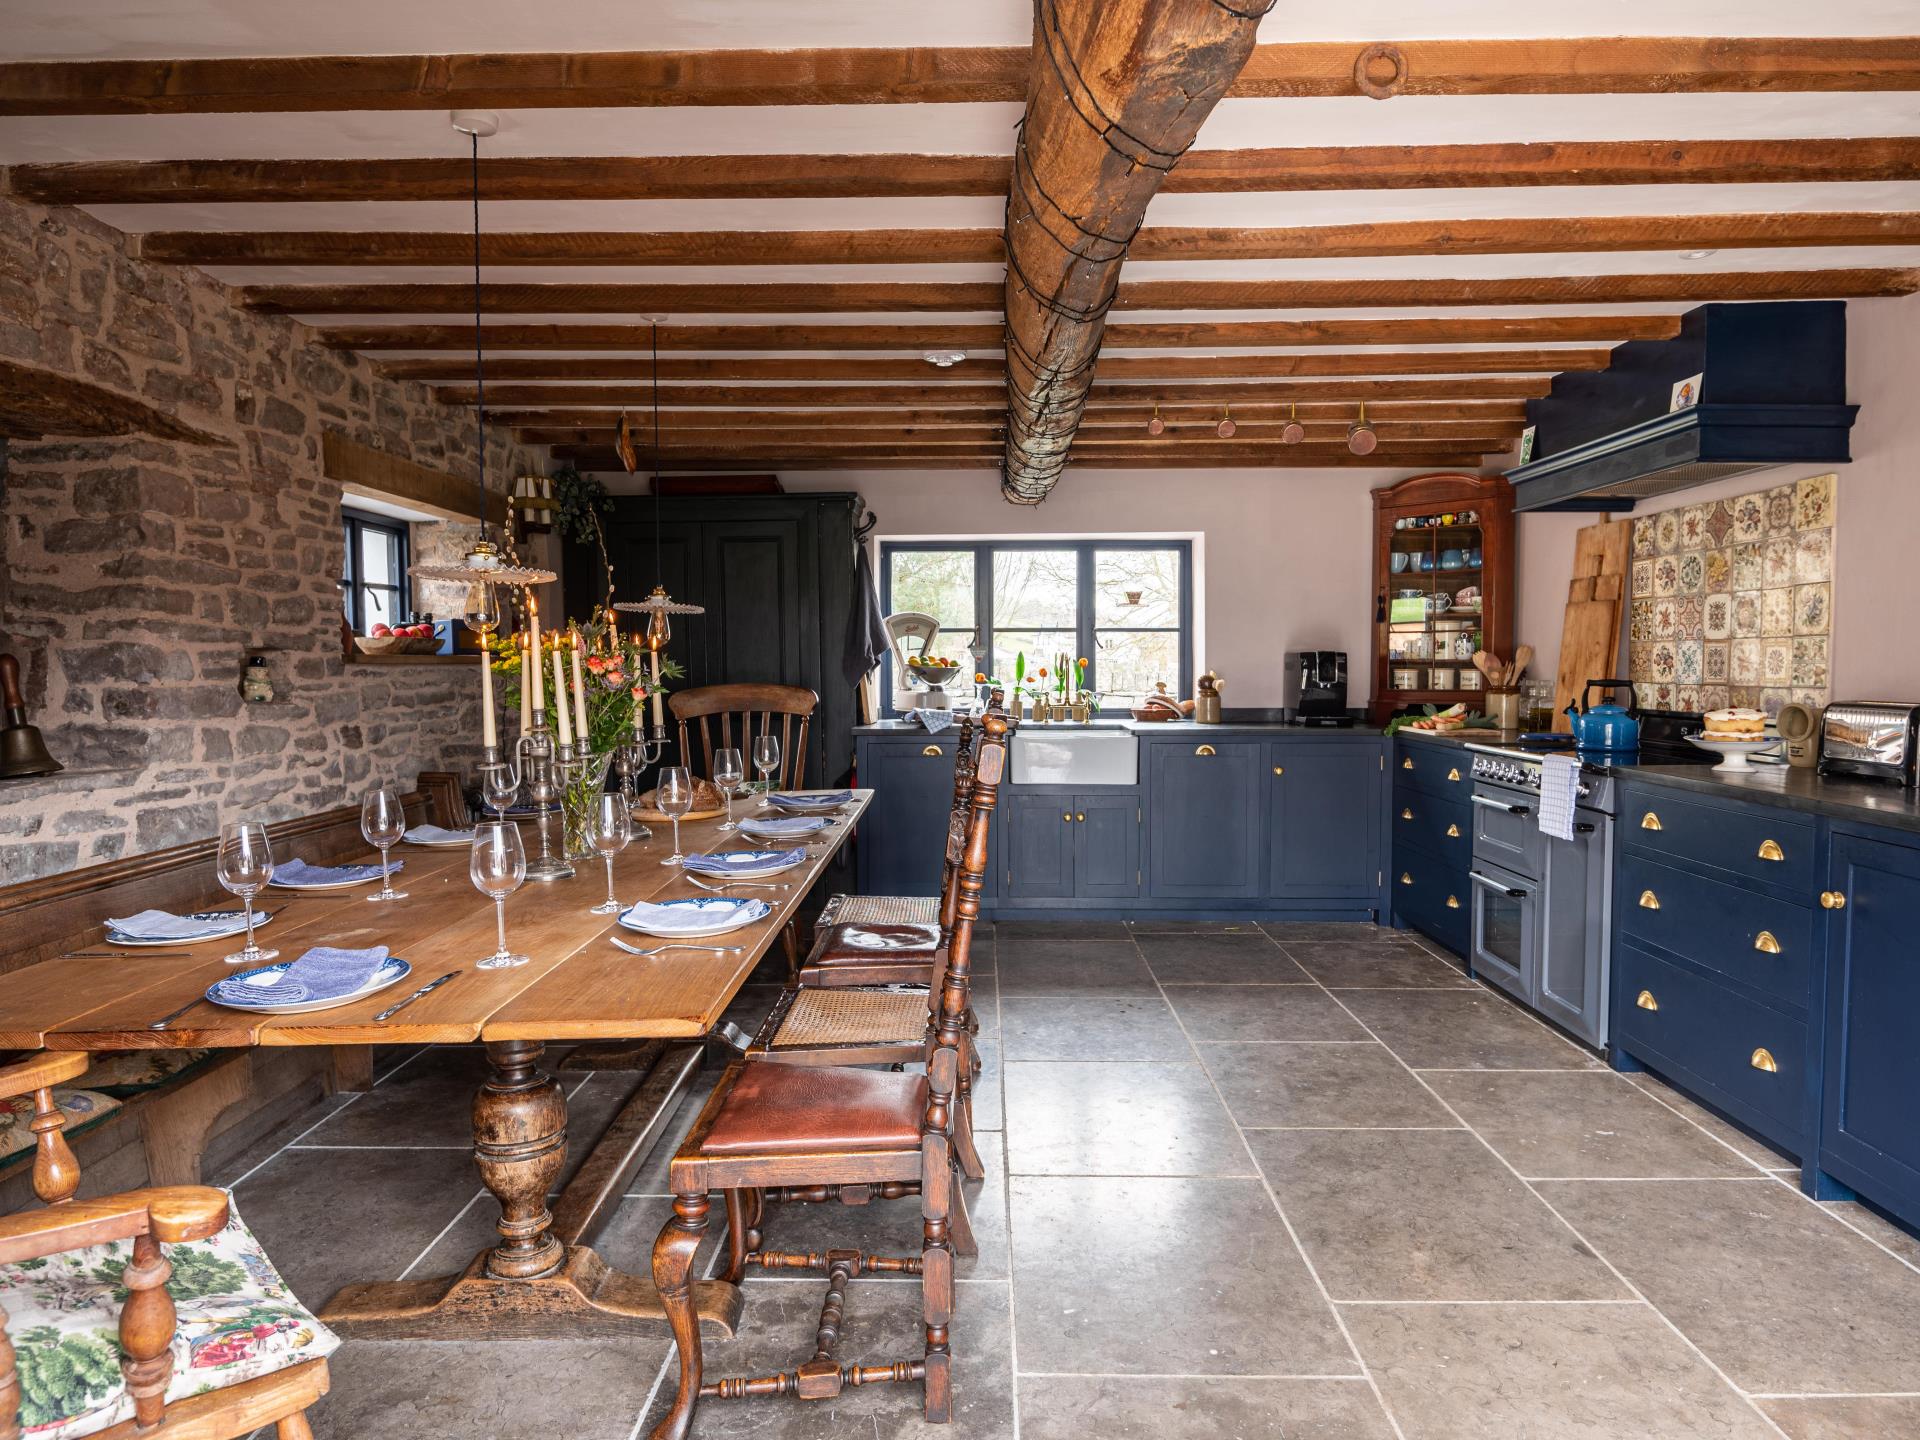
{"x":134,"y":573}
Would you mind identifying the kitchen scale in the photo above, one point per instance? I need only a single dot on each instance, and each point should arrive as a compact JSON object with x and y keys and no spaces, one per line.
{"x":918,"y":685}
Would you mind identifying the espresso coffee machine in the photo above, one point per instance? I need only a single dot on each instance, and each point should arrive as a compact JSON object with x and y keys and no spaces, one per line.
{"x":1316,"y":687}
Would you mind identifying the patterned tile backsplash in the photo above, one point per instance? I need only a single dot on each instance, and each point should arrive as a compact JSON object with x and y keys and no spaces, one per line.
{"x":1732,"y":600}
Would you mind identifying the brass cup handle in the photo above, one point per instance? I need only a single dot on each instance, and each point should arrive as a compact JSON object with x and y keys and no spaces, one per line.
{"x":1406,"y":814}
{"x":1650,"y":821}
{"x":1279,"y":769}
{"x":1453,"y":832}
{"x":1406,"y":762}
{"x":1205,"y":750}
{"x":1770,"y":850}
{"x":1405,"y":878}
{"x":1453,"y":902}
{"x":1832,"y":900}
{"x":1649,"y":900}
{"x":932,"y":752}
{"x":1762,"y":1059}
{"x":1646,"y":1001}
{"x":1453,"y":774}
{"x":1766,"y":944}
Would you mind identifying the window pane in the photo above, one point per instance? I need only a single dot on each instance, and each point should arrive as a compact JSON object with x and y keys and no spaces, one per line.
{"x":937,"y":583}
{"x":1042,"y":649}
{"x":376,"y":557}
{"x":377,"y":605}
{"x":1036,"y":589}
{"x":1137,"y":589}
{"x":1128,"y":665}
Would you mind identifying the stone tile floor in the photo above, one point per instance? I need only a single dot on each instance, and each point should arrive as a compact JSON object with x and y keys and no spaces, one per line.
{"x":1252,"y":1181}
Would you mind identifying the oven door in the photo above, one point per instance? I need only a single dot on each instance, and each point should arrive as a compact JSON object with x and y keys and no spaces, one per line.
{"x":1506,"y":829}
{"x":1506,"y":929}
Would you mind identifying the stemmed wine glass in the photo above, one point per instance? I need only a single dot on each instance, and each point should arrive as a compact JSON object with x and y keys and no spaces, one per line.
{"x":766,"y":759}
{"x":609,"y":828}
{"x":499,"y":788}
{"x":383,"y":822}
{"x":728,"y":772}
{"x":244,"y":867}
{"x":499,"y":867}
{"x":673,"y":793}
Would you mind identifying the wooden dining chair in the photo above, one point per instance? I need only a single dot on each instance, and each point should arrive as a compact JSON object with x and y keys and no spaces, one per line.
{"x":719,"y":717}
{"x":770,"y":1125}
{"x":237,"y":1352}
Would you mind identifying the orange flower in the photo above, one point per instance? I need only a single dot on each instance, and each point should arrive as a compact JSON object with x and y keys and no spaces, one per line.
{"x":596,"y":664}
{"x":616,"y":678}
{"x":1043,"y":674}
{"x":979,"y":677}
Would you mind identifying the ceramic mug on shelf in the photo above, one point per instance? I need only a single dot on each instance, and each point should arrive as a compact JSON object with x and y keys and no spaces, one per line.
{"x":1399,"y":561}
{"x":1453,"y":559}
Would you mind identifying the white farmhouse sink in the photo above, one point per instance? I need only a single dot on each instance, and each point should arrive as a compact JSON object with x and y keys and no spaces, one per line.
{"x":1091,"y":756}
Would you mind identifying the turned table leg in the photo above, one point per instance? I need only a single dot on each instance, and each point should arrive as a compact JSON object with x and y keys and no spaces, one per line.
{"x":673,"y":1255}
{"x":520,"y":1145}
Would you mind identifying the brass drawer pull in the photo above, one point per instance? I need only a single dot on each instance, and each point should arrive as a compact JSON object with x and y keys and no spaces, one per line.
{"x":1649,"y":900}
{"x":932,"y":752}
{"x":1279,"y":769}
{"x":1832,"y":900}
{"x":1068,"y":817}
{"x":1406,"y":762}
{"x":1079,"y":819}
{"x":1766,"y":944}
{"x":1453,"y":774}
{"x":1646,"y":1001}
{"x":1405,"y":878}
{"x":1762,"y":1059}
{"x":1770,"y":850}
{"x":1204,"y":750}
{"x":1650,"y":821}
{"x":1453,"y":832}
{"x":1453,"y":902}
{"x":1406,"y":814}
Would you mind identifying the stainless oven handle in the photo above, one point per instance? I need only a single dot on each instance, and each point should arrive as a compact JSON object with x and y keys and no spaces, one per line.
{"x":1489,"y":803}
{"x":1491,"y":884}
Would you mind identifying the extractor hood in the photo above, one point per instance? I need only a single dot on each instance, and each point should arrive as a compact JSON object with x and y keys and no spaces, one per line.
{"x":1772,"y":391}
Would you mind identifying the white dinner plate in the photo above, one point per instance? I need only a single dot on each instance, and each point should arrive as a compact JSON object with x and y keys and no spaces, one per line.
{"x":806,"y":805}
{"x":239,"y":928}
{"x":464,"y":844}
{"x":326,"y":884}
{"x":763,"y":866}
{"x":391,"y":973}
{"x":753,"y":914}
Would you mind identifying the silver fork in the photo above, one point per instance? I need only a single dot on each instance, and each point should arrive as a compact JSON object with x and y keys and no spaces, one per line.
{"x":736,"y":884}
{"x":620,"y":944}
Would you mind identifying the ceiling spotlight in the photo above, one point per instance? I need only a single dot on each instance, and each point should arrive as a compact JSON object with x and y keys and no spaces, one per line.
{"x":1226,"y":427}
{"x":1293,"y":432}
{"x":944,"y":359}
{"x":1697,"y":254}
{"x":1156,"y":426}
{"x":1361,"y":439}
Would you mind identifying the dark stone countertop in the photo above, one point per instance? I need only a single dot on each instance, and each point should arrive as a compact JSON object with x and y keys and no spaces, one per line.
{"x":1147,"y":729}
{"x":1872,"y":802}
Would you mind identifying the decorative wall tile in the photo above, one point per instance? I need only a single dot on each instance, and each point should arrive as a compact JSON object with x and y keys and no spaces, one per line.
{"x":1715,"y":697}
{"x":1643,"y":538}
{"x":1813,"y":556}
{"x":1776,"y":662}
{"x":1746,"y":613}
{"x":1689,"y":622}
{"x":1642,"y":583}
{"x":1693,"y":526}
{"x":1688,"y":659}
{"x":1666,"y":531}
{"x":1720,"y":570}
{"x":1666,"y":618}
{"x":1666,"y":575}
{"x":1810,"y":604}
{"x":1687,"y":697}
{"x":1715,"y":663}
{"x":1749,"y":568}
{"x":1747,"y":696}
{"x":1771,"y":701}
{"x":1776,"y":612}
{"x":1693,"y":572}
{"x":1813,"y":502}
{"x":1777,"y":561}
{"x":1640,"y":618}
{"x":1810,"y":661}
{"x":1663,"y":659}
{"x":1745,"y":657}
{"x":1749,"y":517}
{"x":1720,"y":522}
{"x":1780,"y":509}
{"x":1717,"y":617}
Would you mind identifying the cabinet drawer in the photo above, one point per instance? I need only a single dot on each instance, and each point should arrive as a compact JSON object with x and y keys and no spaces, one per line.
{"x":1749,"y":937}
{"x":1433,"y":897}
{"x":1716,"y":1037}
{"x":1442,"y":770}
{"x":1439,"y":827}
{"x":1754,"y":841}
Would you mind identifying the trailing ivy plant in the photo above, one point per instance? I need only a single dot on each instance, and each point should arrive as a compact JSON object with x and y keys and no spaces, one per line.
{"x":578,"y":503}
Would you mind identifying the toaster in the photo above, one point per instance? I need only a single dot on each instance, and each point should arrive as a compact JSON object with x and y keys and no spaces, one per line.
{"x":1875,"y":738}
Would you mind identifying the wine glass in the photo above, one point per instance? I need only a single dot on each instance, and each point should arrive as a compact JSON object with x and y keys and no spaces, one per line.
{"x":498,"y":866}
{"x":766,"y":759}
{"x":609,"y":829}
{"x":728,"y":772}
{"x":673,"y":793}
{"x":244,"y":867}
{"x":382,"y":823}
{"x":499,"y":788}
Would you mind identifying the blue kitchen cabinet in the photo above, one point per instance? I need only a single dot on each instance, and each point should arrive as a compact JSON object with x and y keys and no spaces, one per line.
{"x":1869,"y":1133}
{"x":904,"y":832}
{"x":1037,"y":833}
{"x":1060,"y":845}
{"x":1323,"y":805}
{"x":1432,"y":839}
{"x":1206,"y":801}
{"x":1106,"y":854}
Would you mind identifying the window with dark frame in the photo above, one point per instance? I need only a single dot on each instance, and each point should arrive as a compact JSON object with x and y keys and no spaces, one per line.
{"x":373,"y":582}
{"x":1126,"y":606}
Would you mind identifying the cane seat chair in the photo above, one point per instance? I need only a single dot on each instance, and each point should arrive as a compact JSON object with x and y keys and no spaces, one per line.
{"x":209,"y":1343}
{"x":798,"y":1126}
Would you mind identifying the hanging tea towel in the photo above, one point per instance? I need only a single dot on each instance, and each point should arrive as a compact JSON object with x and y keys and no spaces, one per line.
{"x":1559,"y":793}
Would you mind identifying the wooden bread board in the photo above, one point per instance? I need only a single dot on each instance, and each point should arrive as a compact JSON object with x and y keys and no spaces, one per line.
{"x":1590,"y":632}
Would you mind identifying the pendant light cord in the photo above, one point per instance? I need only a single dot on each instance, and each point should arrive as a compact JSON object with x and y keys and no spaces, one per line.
{"x":479,"y":358}
{"x":659,"y":577}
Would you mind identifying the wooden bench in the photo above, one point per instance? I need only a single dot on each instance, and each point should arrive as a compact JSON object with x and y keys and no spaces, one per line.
{"x":163,"y":1135}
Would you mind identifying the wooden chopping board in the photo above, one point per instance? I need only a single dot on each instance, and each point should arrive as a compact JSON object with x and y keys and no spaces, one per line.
{"x":1590,"y":632}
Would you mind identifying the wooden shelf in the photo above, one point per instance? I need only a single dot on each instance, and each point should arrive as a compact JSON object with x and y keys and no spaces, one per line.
{"x":464,"y":658}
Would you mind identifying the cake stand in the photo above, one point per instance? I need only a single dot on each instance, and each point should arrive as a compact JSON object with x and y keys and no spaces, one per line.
{"x":1734,"y":753}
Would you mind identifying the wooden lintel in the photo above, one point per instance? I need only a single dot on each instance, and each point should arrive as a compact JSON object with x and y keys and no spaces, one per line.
{"x":363,"y":470}
{"x":37,"y":404}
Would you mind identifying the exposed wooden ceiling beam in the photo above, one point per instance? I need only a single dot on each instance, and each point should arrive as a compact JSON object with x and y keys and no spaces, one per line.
{"x":818,"y":297}
{"x":988,"y":458}
{"x":697,"y":177}
{"x":1112,"y":367}
{"x":1546,"y":235}
{"x":1483,"y":416}
{"x":1233,"y":392}
{"x":908,"y":436}
{"x":893,"y":75}
{"x":1204,"y":334}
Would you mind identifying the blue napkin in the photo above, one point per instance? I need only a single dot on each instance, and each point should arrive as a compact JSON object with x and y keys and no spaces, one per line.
{"x":296,"y":873}
{"x":323,"y":973}
{"x":164,"y":925}
{"x":809,"y":800}
{"x":784,"y":827}
{"x":679,"y":917}
{"x":743,"y":862}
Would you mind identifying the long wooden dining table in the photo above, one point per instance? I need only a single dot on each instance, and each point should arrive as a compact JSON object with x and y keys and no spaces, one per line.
{"x":542,"y":1279}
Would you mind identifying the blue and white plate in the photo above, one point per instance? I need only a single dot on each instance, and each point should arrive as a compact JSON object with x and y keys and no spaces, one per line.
{"x":219,"y":925}
{"x":693,"y":919}
{"x":299,"y":875}
{"x":744,"y":864}
{"x":810,"y":802}
{"x":782,"y":827}
{"x":391,"y":973}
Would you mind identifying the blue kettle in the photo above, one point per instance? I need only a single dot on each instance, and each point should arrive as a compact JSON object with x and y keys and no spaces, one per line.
{"x":1605,"y":727}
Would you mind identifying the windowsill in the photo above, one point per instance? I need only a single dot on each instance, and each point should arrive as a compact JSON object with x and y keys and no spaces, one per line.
{"x":360,"y":657}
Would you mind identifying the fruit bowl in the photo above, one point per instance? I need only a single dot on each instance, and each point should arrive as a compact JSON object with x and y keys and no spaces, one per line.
{"x":935,"y":675}
{"x":397,"y":644}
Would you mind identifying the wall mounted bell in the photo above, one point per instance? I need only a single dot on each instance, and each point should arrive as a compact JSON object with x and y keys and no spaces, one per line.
{"x":22,"y":751}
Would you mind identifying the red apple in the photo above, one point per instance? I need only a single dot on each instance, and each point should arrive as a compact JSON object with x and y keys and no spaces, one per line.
{"x":381,"y":630}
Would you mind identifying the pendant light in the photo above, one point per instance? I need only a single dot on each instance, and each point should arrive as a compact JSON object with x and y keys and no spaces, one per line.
{"x":658,"y":605}
{"x":1293,"y":432}
{"x":1156,"y":426}
{"x":485,"y":564}
{"x":1361,"y":439}
{"x":1226,"y":428}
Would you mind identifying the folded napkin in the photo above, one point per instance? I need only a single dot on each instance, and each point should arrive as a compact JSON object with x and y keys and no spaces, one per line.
{"x":164,"y":925}
{"x":743,"y":862}
{"x":438,"y":835}
{"x":814,"y":799}
{"x":783,"y":827}
{"x":296,"y":873}
{"x":934,"y":721}
{"x":681,"y":917}
{"x":323,"y":973}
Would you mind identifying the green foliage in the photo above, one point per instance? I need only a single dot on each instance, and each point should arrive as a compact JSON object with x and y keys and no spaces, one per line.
{"x":62,"y":1375}
{"x":578,"y":503}
{"x":197,"y":1271}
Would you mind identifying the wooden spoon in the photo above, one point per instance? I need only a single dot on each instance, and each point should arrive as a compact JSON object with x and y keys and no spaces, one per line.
{"x":1521,"y":659}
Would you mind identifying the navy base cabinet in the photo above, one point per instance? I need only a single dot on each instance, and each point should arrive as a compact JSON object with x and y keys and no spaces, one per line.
{"x":1432,"y":824}
{"x":1323,"y":808}
{"x":1060,"y":845}
{"x":1207,"y":799}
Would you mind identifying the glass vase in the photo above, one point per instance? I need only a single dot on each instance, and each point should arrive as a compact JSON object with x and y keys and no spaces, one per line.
{"x":586,"y":778}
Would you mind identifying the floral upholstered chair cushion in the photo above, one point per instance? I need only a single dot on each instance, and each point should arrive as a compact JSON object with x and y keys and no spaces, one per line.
{"x":78,"y":1108}
{"x":129,"y":1072}
{"x":237,"y":1321}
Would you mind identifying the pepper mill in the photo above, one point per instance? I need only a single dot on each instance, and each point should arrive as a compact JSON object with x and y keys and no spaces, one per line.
{"x":22,"y":751}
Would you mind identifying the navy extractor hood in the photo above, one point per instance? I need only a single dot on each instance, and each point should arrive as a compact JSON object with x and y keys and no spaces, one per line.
{"x":1774,"y":393}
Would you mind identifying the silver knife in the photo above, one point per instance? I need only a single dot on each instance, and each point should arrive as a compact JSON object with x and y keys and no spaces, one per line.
{"x":400,"y":1005}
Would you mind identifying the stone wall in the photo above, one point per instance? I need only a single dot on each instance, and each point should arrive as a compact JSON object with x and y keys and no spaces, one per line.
{"x":137,"y":572}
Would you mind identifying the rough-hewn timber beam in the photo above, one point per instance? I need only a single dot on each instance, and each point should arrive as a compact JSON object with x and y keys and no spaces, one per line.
{"x":1483,"y":416}
{"x":987,"y":458}
{"x":1231,"y":392}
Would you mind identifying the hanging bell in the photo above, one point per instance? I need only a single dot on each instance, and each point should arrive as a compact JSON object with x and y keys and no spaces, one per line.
{"x":22,"y":751}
